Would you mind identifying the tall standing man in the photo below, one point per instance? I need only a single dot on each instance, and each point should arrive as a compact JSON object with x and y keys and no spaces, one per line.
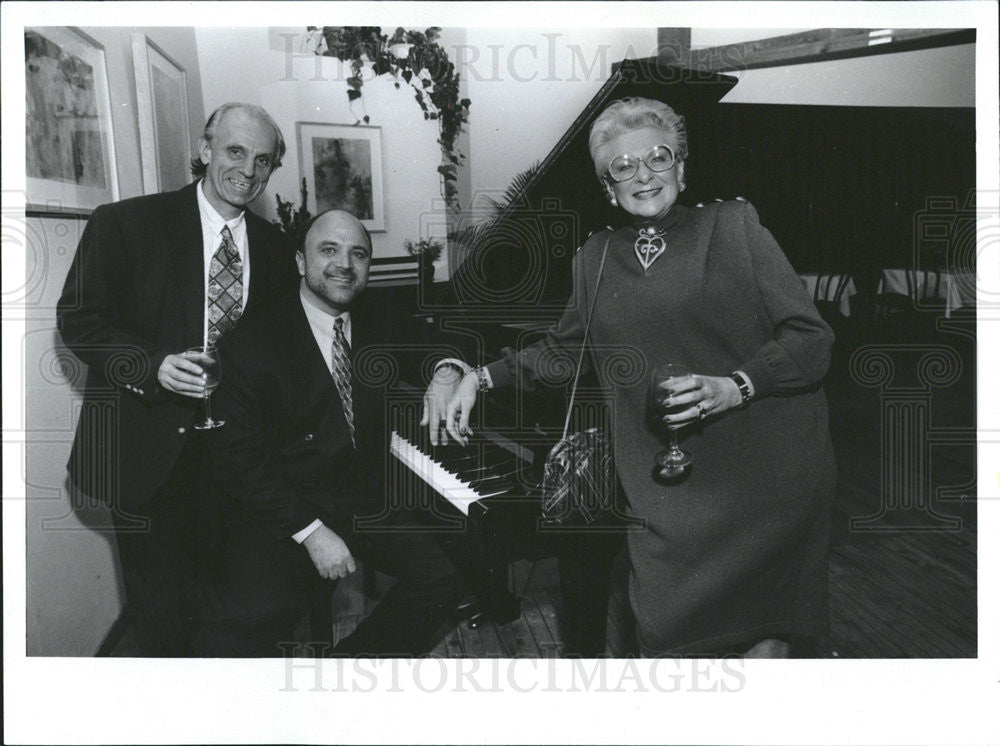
{"x":154,"y":276}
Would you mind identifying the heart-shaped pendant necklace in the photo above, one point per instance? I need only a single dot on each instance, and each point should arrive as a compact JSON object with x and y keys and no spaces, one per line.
{"x":649,"y":245}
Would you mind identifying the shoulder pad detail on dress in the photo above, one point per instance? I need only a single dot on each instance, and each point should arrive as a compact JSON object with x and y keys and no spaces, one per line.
{"x":591,"y":235}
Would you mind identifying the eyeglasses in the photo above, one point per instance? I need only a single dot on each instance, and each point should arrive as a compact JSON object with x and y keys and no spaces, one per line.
{"x":658,"y":158}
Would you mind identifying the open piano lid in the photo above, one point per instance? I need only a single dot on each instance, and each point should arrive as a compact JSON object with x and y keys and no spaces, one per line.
{"x":522,"y":263}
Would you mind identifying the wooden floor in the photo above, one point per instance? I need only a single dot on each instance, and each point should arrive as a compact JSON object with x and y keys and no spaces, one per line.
{"x":911,"y":595}
{"x":906,"y":595}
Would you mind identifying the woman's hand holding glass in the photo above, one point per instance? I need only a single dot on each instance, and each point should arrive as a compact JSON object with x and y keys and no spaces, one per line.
{"x":705,"y":396}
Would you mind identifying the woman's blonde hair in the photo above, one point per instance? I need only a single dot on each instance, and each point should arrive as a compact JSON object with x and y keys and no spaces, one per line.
{"x":634,"y":113}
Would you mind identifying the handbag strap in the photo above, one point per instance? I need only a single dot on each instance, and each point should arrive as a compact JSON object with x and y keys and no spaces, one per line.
{"x":586,"y":332}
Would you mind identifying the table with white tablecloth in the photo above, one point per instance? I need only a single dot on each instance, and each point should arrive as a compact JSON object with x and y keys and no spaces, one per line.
{"x":826,"y":286}
{"x":953,"y":288}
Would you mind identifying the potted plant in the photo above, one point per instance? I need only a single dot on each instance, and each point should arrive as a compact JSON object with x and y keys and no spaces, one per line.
{"x":291,"y":219}
{"x":427,"y":251}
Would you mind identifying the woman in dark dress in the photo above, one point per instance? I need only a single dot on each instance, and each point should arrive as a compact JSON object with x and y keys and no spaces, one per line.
{"x":733,"y":557}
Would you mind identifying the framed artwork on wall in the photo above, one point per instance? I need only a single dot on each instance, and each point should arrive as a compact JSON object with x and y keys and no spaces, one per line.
{"x":342,"y":164}
{"x":70,"y":146}
{"x":164,"y":134}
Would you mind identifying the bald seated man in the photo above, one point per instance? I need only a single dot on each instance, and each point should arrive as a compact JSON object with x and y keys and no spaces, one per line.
{"x":302,"y":456}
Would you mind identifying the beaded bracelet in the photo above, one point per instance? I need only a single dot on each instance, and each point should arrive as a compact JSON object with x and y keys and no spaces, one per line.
{"x":484,"y":384}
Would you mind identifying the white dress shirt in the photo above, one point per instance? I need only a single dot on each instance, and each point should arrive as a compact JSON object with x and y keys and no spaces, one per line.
{"x":212,"y":224}
{"x":321,"y":322}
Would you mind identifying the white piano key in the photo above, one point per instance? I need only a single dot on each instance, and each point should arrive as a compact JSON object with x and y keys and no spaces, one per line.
{"x":450,"y":487}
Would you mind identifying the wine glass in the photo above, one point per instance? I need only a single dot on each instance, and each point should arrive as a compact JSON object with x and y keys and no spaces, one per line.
{"x":672,"y":463}
{"x":208,"y":358}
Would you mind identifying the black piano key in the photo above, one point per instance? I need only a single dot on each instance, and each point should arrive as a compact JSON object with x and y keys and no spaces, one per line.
{"x":423,"y":440}
{"x":459,"y":466}
{"x":450,"y":451}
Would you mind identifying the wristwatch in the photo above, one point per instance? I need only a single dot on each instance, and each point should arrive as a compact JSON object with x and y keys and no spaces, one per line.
{"x":744,"y":386}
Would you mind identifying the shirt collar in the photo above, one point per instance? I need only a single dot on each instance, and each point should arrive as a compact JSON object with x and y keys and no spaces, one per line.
{"x":322,"y":320}
{"x":211,"y":218}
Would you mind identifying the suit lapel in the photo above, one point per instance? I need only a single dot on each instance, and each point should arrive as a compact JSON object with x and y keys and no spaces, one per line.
{"x":310,"y":366}
{"x":185,"y":248}
{"x":272,"y":273}
{"x":258,"y":266}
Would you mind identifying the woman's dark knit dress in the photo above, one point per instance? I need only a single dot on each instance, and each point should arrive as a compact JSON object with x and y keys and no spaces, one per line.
{"x":737,"y":551}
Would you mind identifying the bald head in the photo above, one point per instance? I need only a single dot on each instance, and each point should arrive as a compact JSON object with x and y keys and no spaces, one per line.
{"x":315,"y":218}
{"x":334,"y":261}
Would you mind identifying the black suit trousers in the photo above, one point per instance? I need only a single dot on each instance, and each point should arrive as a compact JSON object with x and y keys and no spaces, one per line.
{"x":426,"y":592}
{"x":157,"y":548}
{"x":252,"y":603}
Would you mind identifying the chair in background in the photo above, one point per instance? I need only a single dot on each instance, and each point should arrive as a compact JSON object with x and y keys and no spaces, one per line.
{"x":833,"y":294}
{"x":828,"y":295}
{"x":902,"y":303}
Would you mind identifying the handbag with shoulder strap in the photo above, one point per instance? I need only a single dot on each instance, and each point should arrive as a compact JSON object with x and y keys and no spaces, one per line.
{"x":578,"y":483}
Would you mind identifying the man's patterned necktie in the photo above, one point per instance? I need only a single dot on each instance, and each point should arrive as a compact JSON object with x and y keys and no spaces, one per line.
{"x":225,"y":288}
{"x":342,"y":372}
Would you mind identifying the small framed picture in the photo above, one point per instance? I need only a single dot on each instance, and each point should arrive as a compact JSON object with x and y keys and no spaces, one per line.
{"x":162,"y":108}
{"x":70,"y":145}
{"x":342,"y":165}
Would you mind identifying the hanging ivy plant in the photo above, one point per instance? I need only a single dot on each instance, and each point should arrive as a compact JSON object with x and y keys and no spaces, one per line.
{"x":413,"y":58}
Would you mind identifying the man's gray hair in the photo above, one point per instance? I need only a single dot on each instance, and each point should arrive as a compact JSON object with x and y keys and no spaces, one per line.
{"x":198,"y":166}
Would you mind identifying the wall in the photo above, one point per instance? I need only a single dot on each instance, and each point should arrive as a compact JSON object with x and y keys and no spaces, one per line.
{"x":928,"y":77}
{"x":527,"y":87}
{"x":73,"y":586}
{"x":255,"y":65}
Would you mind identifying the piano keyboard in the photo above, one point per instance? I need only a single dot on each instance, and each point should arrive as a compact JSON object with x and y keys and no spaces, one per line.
{"x":460,"y":475}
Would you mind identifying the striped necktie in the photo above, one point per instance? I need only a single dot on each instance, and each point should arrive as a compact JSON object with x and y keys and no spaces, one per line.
{"x":342,"y":372}
{"x":225,"y":288}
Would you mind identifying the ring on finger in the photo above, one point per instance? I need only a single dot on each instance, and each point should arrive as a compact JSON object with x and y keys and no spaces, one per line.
{"x":702,"y":414}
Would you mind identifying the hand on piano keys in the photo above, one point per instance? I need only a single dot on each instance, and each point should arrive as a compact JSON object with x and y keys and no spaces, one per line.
{"x":461,"y":475}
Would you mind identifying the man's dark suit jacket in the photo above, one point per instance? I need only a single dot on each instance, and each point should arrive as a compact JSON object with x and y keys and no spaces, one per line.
{"x":136,"y":293}
{"x":285,"y":453}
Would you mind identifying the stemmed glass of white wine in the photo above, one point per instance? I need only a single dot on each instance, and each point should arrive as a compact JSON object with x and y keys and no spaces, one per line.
{"x":207,"y":356}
